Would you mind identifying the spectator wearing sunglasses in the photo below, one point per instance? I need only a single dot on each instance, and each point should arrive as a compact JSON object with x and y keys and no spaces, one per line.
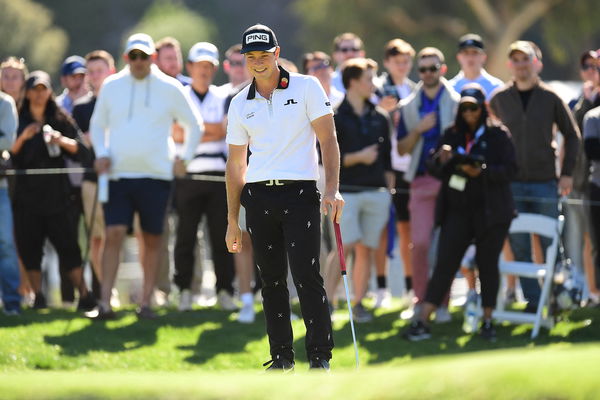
{"x":471,"y":56}
{"x":426,"y":113}
{"x":234,"y":66}
{"x":345,"y":46}
{"x":475,"y":161}
{"x":318,"y":64}
{"x":131,"y":130}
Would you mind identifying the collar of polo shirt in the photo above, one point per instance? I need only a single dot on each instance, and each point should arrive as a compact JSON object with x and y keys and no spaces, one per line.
{"x":284,"y":82}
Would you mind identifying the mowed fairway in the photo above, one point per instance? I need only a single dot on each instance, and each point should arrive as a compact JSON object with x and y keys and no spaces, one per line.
{"x":206,"y":354}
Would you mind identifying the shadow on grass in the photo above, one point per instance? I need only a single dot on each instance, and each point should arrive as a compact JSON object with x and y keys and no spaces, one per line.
{"x":119,"y":335}
{"x":105,"y":336}
{"x":382,"y":339}
{"x":227,"y":337}
{"x":29,"y":316}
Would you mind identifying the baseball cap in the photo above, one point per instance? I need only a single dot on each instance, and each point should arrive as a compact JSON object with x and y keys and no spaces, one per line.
{"x":204,"y":51}
{"x":524,"y":47}
{"x":590,"y":54}
{"x":140,"y":41}
{"x":73,"y":65}
{"x":258,"y":38}
{"x":472,"y":40}
{"x":472,"y":93}
{"x":38,"y":78}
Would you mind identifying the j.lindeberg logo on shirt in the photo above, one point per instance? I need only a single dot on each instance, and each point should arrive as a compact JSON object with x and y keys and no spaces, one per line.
{"x":250,"y":115}
{"x":290,"y":101}
{"x":257,"y":37}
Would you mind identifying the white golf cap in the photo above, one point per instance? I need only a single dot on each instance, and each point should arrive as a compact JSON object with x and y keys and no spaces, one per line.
{"x":140,"y":41}
{"x":204,"y":51}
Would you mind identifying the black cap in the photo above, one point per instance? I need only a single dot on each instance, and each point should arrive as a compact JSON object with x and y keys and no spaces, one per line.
{"x":258,"y":38}
{"x":470,"y":40}
{"x":472,"y":93}
{"x":73,"y":65}
{"x":38,"y":78}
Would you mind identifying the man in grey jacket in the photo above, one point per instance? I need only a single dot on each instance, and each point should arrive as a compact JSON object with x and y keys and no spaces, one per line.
{"x":426,"y":113}
{"x":530,"y":109}
{"x":9,"y":267}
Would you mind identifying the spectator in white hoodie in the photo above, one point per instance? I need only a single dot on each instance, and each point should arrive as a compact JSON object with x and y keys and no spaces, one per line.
{"x":130,"y":130}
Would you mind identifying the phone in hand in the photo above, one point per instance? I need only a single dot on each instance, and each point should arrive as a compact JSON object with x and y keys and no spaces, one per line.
{"x":390,"y":90}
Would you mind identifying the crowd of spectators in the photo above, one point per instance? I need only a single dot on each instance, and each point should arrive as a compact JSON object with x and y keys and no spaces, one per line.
{"x":438,"y":167}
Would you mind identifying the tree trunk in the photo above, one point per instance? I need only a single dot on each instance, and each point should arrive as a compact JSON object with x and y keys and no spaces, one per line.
{"x":503,"y":33}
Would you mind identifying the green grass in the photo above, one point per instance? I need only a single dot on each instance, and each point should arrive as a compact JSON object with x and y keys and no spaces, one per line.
{"x":206,"y":354}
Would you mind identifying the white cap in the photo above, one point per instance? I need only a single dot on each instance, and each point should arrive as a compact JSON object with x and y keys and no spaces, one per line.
{"x":204,"y":51}
{"x":140,"y":41}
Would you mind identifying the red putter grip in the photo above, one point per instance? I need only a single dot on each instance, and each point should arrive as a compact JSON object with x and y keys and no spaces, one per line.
{"x":340,"y":247}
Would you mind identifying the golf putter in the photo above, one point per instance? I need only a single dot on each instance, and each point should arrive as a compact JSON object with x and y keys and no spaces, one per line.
{"x":340,"y":247}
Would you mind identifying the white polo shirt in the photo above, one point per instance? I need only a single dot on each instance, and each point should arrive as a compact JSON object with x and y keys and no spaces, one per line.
{"x":209,"y":156}
{"x":279,"y":132}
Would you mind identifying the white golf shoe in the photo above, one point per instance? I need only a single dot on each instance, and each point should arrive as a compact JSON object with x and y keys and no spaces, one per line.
{"x":185,"y":300}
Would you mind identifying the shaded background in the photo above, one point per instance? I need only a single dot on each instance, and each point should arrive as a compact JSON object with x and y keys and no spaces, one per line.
{"x":44,"y":32}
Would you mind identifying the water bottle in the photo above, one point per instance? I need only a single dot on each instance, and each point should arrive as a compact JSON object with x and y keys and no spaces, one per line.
{"x":470,"y":322}
{"x":53,"y":148}
{"x":103,"y":188}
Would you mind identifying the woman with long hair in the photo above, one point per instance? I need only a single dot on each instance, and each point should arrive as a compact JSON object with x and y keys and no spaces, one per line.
{"x":475,"y":161}
{"x":41,"y":204}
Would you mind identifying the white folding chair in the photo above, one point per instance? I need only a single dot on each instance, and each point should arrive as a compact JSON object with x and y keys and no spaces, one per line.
{"x":550,"y":228}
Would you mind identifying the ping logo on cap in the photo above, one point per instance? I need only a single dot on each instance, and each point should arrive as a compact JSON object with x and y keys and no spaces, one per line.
{"x":257,"y":37}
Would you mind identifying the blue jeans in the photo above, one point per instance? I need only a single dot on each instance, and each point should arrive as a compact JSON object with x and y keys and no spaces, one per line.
{"x":541,"y":198}
{"x":9,"y":266}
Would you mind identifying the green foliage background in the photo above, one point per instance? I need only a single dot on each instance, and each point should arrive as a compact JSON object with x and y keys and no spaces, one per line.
{"x":46,"y":31}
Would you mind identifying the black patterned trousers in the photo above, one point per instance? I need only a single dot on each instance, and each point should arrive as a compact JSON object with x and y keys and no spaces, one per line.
{"x":284,"y":223}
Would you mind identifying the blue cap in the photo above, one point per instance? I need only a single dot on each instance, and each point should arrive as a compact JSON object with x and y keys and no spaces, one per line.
{"x":73,"y":65}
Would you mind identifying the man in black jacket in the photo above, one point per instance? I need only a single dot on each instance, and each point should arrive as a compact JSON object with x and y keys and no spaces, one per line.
{"x":364,"y":133}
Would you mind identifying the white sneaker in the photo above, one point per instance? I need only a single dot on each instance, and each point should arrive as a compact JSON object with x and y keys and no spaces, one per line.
{"x":411,"y":312}
{"x":115,"y":302}
{"x":442,"y":315}
{"x":185,"y":300}
{"x":246,"y":315}
{"x":160,"y":298}
{"x":225,"y":301}
{"x":382,"y":299}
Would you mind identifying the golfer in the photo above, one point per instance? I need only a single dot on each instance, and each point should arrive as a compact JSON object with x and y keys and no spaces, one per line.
{"x":279,"y":116}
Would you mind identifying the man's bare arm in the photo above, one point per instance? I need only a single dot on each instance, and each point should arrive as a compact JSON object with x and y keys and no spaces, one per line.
{"x":324,"y":128}
{"x":235,"y":179}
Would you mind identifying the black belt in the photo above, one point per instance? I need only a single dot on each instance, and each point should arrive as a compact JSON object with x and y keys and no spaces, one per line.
{"x":211,"y":155}
{"x":280,"y":182}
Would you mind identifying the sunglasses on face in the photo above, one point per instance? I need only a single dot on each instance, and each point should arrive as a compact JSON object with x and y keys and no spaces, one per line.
{"x":469,"y":107}
{"x":319,"y":66}
{"x":432,"y":69}
{"x":586,"y":67}
{"x":348,"y":49}
{"x":134,"y":55}
{"x":236,"y":63}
